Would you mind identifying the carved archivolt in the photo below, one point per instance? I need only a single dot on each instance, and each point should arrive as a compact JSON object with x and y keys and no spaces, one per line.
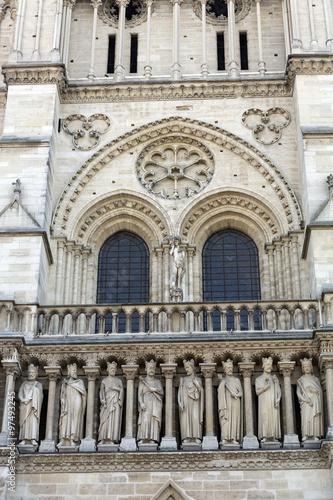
{"x":216,"y":11}
{"x":94,"y":126}
{"x":160,"y":131}
{"x":267,"y":125}
{"x":177,"y":169}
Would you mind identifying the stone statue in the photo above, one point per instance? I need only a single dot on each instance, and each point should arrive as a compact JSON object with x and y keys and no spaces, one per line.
{"x":191,"y":405}
{"x":150,"y":395}
{"x":310,"y":396}
{"x":269,"y":395}
{"x":179,"y":268}
{"x":31,"y":397}
{"x":73,"y":398}
{"x":112,"y":396}
{"x":230,"y":395}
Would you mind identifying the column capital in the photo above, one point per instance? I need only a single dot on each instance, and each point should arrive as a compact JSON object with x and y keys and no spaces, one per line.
{"x":286,"y":367}
{"x":169,"y":370}
{"x":207,"y":369}
{"x":92,"y":372}
{"x":52,"y":372}
{"x":122,"y":3}
{"x":179,"y":2}
{"x":159,"y":251}
{"x":246,"y":368}
{"x":130,"y":371}
{"x":326,"y":361}
{"x":11,"y":367}
{"x":69,"y":3}
{"x":96,"y":3}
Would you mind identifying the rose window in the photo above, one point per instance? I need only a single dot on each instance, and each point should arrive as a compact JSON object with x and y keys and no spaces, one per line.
{"x":175,"y":170}
{"x":217,"y":10}
{"x":135,"y":13}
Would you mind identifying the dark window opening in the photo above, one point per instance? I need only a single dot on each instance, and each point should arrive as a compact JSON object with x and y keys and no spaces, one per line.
{"x":134,"y":54}
{"x":231,"y":273}
{"x":111,"y":54}
{"x":220,"y":51}
{"x":133,"y":9}
{"x":243,"y":50}
{"x":217,"y":7}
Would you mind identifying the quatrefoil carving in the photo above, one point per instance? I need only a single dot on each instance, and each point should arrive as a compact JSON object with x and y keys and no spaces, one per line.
{"x":267,"y":125}
{"x":86,"y":132}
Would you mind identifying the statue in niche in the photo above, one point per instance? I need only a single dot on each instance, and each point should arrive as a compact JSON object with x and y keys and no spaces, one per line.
{"x":230,"y":395}
{"x":269,"y":395}
{"x":111,"y":396}
{"x":150,"y":395}
{"x":73,"y":399}
{"x":191,"y":405}
{"x":310,"y":396}
{"x":31,"y":397}
{"x":179,"y":268}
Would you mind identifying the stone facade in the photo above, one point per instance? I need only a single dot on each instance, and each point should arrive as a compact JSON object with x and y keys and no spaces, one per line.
{"x":167,"y":144}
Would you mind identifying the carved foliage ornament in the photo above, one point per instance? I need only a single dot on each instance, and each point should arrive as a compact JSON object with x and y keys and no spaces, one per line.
{"x":267,"y":125}
{"x":175,"y":170}
{"x":135,"y":13}
{"x":217,"y":10}
{"x":86,"y":132}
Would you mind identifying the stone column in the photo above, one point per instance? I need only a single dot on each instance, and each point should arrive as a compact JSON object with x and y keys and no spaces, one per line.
{"x":48,"y":445}
{"x":17,"y":51}
{"x":295,"y":267}
{"x":314,"y":41}
{"x":89,"y":443}
{"x":209,"y":441}
{"x":233,"y":66}
{"x":12,"y":369}
{"x":261,"y":63}
{"x":159,"y":253}
{"x":77,"y":275}
{"x":190,"y":277}
{"x":285,"y":27}
{"x":326,"y":361}
{"x":91,"y":74}
{"x":60,"y":256}
{"x":85,"y":255}
{"x":128,"y":443}
{"x":166,"y":266}
{"x":204,"y":67}
{"x":176,"y":68}
{"x":36,"y":53}
{"x":329,"y":24}
{"x":169,"y":442}
{"x":120,"y":70}
{"x":55,"y":53}
{"x":148,"y":68}
{"x":287,"y":269}
{"x":69,"y":272}
{"x":250,"y":441}
{"x":296,"y":40}
{"x":279,"y":271}
{"x":69,"y":4}
{"x":290,"y":437}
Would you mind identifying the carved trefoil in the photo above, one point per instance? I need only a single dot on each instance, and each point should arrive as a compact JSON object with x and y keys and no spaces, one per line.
{"x":267,"y":125}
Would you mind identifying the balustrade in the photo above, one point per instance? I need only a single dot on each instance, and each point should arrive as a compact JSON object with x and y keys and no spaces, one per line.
{"x":178,"y":317}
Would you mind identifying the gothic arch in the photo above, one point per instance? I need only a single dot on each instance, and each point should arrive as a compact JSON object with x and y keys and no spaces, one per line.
{"x":176,"y":126}
{"x":121,"y":211}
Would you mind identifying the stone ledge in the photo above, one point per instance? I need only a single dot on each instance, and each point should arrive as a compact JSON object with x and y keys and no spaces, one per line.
{"x":180,"y":461}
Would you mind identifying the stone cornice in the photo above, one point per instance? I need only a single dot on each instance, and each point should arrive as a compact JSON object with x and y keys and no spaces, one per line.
{"x":215,"y":87}
{"x":181,"y":461}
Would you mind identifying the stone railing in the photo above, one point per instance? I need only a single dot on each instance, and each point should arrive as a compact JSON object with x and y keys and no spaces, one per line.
{"x":33,"y":320}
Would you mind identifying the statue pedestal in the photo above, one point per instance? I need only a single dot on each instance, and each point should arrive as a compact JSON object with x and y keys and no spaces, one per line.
{"x":128,"y":444}
{"x":210,"y":443}
{"x":270,"y":445}
{"x":168,"y":443}
{"x":87,"y":444}
{"x":27,"y":448}
{"x":191,"y":446}
{"x":73,"y":448}
{"x":108,"y":447}
{"x":250,"y":442}
{"x":176,"y":295}
{"x":312,"y":443}
{"x":291,"y":441}
{"x":147,"y":446}
{"x":47,"y":446}
{"x":229,"y":446}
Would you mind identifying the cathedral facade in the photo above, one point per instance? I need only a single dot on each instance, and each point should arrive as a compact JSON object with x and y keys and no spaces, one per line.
{"x":166,"y":236}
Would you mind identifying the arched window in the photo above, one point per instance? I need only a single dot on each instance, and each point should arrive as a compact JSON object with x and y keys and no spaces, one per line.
{"x":123,"y":272}
{"x":231,"y":269}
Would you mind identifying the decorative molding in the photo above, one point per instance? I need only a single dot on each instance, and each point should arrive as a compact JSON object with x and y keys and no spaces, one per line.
{"x":108,"y":12}
{"x":34,"y":73}
{"x":322,"y":64}
{"x":181,"y":461}
{"x":163,"y":129}
{"x":264,"y":129}
{"x":242,"y":8}
{"x":93,"y":127}
{"x":179,"y":168}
